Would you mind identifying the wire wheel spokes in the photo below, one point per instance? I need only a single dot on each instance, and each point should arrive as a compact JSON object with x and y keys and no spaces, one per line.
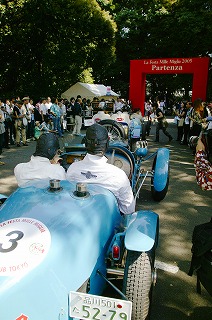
{"x":113,"y":132}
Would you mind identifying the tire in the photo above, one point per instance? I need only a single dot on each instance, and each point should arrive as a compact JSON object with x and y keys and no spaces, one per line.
{"x":115,"y":129}
{"x":137,"y":283}
{"x":159,"y":195}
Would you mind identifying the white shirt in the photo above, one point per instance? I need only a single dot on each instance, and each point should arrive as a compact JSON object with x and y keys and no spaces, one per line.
{"x":48,"y":105}
{"x":23,"y":109}
{"x":162,"y":105}
{"x":118,"y":105}
{"x":8,"y":109}
{"x":38,"y":168}
{"x":102,"y":104}
{"x":43,"y":108}
{"x":94,"y":169}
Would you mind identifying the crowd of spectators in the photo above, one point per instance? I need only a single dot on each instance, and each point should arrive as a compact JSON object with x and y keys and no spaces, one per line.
{"x":22,"y":121}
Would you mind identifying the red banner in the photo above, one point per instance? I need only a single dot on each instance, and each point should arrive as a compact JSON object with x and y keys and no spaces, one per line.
{"x":140,"y":68}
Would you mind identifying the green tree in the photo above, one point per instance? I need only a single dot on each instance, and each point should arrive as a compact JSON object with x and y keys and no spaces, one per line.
{"x":159,"y":29}
{"x":47,"y":44}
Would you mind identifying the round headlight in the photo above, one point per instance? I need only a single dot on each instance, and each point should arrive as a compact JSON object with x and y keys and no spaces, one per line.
{"x":141,"y":152}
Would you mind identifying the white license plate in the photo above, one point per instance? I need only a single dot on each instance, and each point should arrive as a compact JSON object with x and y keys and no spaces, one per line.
{"x":87,"y":306}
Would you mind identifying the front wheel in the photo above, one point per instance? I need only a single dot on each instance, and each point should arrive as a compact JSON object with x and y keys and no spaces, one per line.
{"x":160,"y":180}
{"x":137,"y":284}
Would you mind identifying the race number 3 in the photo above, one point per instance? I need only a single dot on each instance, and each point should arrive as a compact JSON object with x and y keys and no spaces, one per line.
{"x":13,"y":241}
{"x":24,"y":244}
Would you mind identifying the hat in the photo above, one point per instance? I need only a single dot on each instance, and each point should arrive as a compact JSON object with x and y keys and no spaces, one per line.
{"x":18,"y":101}
{"x":96,"y":139}
{"x":47,"y":145}
{"x":96,"y":132}
{"x":26,"y":98}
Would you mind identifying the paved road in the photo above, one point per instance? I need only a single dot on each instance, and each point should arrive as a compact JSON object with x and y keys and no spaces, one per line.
{"x":185,"y":206}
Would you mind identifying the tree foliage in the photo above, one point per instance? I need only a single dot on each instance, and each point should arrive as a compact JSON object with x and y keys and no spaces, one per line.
{"x":47,"y":45}
{"x":160,"y":29}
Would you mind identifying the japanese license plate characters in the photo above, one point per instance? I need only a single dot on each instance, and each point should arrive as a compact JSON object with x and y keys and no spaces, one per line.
{"x":87,"y":306}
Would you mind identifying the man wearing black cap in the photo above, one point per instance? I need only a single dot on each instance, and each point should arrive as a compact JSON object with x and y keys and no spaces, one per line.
{"x":95,"y":169}
{"x":43,"y":164}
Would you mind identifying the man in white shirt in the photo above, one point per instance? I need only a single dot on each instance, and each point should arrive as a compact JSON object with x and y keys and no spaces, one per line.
{"x":44,"y":108}
{"x":95,"y":169}
{"x":43,"y":164}
{"x":48,"y":103}
{"x":118,"y":104}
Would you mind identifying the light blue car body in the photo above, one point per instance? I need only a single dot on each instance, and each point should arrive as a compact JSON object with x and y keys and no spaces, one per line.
{"x":51,"y":243}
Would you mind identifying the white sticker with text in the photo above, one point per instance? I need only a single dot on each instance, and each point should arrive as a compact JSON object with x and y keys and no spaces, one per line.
{"x":24,"y":243}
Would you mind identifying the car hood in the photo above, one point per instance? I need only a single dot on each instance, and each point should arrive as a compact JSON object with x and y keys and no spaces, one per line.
{"x":50,"y":243}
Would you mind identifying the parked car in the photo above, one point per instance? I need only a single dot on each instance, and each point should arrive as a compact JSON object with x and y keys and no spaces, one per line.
{"x":61,"y":241}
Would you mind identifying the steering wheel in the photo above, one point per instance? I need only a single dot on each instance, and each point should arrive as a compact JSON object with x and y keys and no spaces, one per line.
{"x":121,"y":158}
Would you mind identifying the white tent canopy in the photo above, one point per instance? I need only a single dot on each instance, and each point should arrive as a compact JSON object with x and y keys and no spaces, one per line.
{"x":89,"y":91}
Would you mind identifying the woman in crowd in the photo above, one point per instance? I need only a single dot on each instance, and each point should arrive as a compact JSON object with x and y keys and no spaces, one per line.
{"x":196,"y":117}
{"x":181,"y":114}
{"x":203,"y":166}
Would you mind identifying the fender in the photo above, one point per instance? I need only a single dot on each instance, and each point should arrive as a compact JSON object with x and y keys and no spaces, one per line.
{"x":142,"y":231}
{"x":161,"y":169}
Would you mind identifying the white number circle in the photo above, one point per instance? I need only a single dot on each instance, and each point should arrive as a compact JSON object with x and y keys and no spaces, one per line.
{"x":24,"y":243}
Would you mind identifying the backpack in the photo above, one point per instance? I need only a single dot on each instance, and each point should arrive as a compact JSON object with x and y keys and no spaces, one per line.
{"x":201,"y":261}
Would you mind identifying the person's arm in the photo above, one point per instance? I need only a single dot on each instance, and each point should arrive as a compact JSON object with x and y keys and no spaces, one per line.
{"x":203,"y":167}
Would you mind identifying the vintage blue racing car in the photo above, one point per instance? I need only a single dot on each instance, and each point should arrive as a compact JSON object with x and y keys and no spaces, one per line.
{"x":62,"y":243}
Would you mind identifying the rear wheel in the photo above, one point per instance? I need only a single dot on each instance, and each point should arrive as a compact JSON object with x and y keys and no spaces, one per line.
{"x":137,"y":284}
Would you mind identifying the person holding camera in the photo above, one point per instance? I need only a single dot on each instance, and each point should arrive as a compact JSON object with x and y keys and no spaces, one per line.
{"x":203,"y":166}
